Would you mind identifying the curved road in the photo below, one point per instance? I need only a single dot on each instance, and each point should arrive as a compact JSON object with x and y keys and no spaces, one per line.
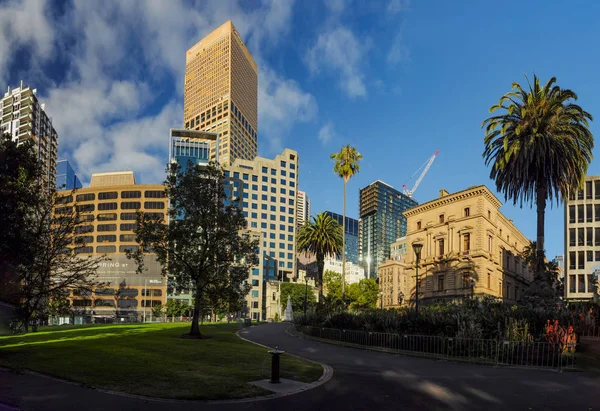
{"x":362,"y":380}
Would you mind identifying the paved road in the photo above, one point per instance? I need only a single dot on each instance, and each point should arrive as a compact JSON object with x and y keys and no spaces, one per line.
{"x":362,"y":380}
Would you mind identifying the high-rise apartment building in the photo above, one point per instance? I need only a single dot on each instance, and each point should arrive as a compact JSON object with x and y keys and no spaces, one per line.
{"x":25,"y":118}
{"x":108,"y":212}
{"x":351,"y":235}
{"x":66,"y":179}
{"x":303,"y":207}
{"x":470,"y":249}
{"x":221,"y":94}
{"x":381,"y":222}
{"x":582,"y":241}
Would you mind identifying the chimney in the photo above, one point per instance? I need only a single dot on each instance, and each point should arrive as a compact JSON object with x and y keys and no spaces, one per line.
{"x":444,"y":193}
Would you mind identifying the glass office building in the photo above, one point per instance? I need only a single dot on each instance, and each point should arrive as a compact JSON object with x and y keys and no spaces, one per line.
{"x":351,"y":235}
{"x":66,"y":179}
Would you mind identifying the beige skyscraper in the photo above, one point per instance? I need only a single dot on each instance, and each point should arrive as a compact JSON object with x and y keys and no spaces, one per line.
{"x":221,"y":93}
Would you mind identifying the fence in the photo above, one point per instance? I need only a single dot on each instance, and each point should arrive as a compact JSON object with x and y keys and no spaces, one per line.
{"x":539,"y":355}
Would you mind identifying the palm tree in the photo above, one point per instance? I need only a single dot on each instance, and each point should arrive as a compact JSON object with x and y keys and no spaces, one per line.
{"x":539,"y":147}
{"x":321,"y":236}
{"x":346,"y":166}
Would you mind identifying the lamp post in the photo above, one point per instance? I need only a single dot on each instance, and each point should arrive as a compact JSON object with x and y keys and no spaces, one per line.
{"x":417,"y":247}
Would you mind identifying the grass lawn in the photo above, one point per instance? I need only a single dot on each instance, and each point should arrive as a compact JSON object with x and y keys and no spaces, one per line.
{"x":151,"y":359}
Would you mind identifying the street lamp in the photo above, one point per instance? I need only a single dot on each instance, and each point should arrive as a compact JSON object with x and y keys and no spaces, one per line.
{"x":417,"y":247}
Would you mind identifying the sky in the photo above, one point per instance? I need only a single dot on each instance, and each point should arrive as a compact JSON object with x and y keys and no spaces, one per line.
{"x":398,"y":79}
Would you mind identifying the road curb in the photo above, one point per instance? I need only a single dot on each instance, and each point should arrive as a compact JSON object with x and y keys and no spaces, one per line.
{"x":326,"y":376}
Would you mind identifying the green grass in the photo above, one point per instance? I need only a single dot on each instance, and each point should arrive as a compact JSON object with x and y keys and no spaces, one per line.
{"x":151,"y":359}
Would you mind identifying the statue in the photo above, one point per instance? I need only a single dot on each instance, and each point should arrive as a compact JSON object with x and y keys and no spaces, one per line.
{"x":288,"y":316}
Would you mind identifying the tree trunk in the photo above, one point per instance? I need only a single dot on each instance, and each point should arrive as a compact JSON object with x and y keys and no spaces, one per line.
{"x":541,"y":210}
{"x":344,"y":244}
{"x":320,"y":267}
{"x":195,"y":329}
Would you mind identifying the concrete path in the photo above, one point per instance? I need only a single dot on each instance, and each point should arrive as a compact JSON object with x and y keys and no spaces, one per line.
{"x":362,"y":380}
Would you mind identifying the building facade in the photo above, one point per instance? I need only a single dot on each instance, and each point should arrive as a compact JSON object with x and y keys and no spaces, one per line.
{"x":381,"y":223}
{"x":25,"y":118}
{"x":351,"y":235}
{"x":221,"y":94}
{"x":303,"y":213}
{"x":398,"y":249}
{"x":108,"y":210}
{"x":66,"y":179}
{"x":582,"y":241}
{"x":470,"y":249}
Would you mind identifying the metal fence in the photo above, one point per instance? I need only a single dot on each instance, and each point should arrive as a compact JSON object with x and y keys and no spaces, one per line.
{"x":539,"y":355}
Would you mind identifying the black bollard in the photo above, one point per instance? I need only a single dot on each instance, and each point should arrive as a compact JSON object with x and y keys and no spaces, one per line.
{"x":275,"y":355}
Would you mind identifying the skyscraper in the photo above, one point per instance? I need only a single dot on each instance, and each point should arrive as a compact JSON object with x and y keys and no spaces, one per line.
{"x":381,"y":223}
{"x":24,"y":118}
{"x":221,"y":94}
{"x":351,"y":235}
{"x":66,"y":179}
{"x":303,"y":210}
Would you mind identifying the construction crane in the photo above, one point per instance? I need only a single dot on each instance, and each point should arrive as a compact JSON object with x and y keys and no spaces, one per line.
{"x":427,"y":165}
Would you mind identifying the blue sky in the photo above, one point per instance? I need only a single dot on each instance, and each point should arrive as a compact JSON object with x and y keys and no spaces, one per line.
{"x":398,"y":79}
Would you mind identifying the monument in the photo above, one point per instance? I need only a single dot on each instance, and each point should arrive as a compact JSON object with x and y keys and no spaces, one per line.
{"x":288,"y":316}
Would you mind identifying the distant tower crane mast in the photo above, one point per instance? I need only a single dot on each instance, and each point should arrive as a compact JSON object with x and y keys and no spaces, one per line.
{"x":427,"y":165}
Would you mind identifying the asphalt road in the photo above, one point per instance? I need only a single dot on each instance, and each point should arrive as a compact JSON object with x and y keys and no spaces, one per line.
{"x":362,"y":380}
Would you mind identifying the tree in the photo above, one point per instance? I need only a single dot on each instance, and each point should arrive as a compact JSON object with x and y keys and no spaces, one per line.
{"x":539,"y":147}
{"x":364,"y":294}
{"x":332,"y":282}
{"x":321,"y":236}
{"x":38,"y":244}
{"x":546,"y":290}
{"x":346,"y":166}
{"x":157,"y":310}
{"x":203,"y":246}
{"x":298,"y":293}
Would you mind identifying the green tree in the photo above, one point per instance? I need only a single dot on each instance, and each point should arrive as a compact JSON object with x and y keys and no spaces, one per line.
{"x":364,"y":294}
{"x":539,"y":147}
{"x":204,"y":246}
{"x":298,"y":293}
{"x":321,"y":236}
{"x":346,"y":166}
{"x":332,"y":282}
{"x":157,"y":310}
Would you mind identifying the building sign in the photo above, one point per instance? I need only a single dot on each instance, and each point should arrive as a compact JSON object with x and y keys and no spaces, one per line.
{"x":120,"y":269}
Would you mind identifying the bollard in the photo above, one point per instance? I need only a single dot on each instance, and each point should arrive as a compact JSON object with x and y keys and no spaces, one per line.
{"x":275,"y":355}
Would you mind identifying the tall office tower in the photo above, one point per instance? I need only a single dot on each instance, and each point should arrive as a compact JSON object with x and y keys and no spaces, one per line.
{"x":303,"y":208}
{"x":582,"y":241}
{"x":24,"y":118}
{"x":381,"y":222}
{"x":66,"y":179}
{"x":108,"y":212}
{"x":351,"y":235}
{"x":221,"y":94}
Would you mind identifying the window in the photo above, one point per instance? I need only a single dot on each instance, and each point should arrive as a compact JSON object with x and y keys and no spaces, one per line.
{"x":131,"y":205}
{"x":581,"y":283}
{"x":154,"y":205}
{"x":64,"y":199}
{"x":440,"y":283}
{"x":588,"y":212}
{"x":85,"y":208}
{"x":107,"y":206}
{"x":154,"y":216}
{"x":489,"y":281}
{"x":131,"y":248}
{"x":107,"y":227}
{"x":589,"y":255}
{"x":597,"y":236}
{"x":572,"y":237}
{"x":466,"y":243}
{"x":589,"y":232}
{"x":580,"y":260}
{"x":127,"y":237}
{"x":84,"y":229}
{"x":572,"y":260}
{"x":104,"y":291}
{"x":572,"y":283}
{"x":84,"y":250}
{"x":572,"y":217}
{"x":466,"y":280}
{"x":597,"y":255}
{"x":128,"y":216}
{"x":597,"y":189}
{"x":489,"y":215}
{"x":580,"y":195}
{"x":131,"y":194}
{"x":127,"y":303}
{"x":128,"y":227}
{"x":467,"y":212}
{"x":154,"y":194}
{"x":418,"y":225}
{"x":596,"y":211}
{"x":490,"y":243}
{"x":82,"y":303}
{"x":86,"y":197}
{"x":107,"y":238}
{"x":441,"y":218}
{"x":588,"y":190}
{"x":111,"y":195}
{"x":84,"y":218}
{"x":84,"y":239}
{"x":580,"y":237}
{"x":441,"y":247}
{"x":107,"y":217}
{"x":580,"y":216}
{"x":106,"y":249}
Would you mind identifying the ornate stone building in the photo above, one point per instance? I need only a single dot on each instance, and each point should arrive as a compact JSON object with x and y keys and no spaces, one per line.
{"x":470,"y":249}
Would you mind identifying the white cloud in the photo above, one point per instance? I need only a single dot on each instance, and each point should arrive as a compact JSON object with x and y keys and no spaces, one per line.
{"x":335,"y":6}
{"x":337,"y":50}
{"x":398,"y":52}
{"x":398,"y":6}
{"x":326,"y":133}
